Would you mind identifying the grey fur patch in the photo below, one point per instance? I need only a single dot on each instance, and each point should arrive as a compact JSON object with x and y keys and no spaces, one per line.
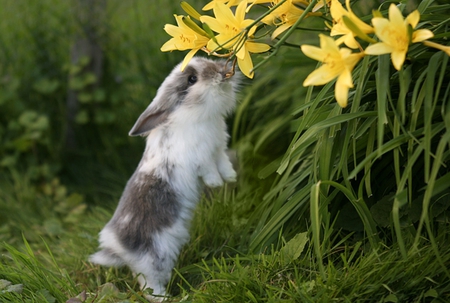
{"x":180,"y":86}
{"x":147,"y":206}
{"x":211,"y":69}
{"x":159,"y":263}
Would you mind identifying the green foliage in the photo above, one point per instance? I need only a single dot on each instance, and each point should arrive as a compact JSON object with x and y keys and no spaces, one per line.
{"x":379,"y":164}
{"x":34,"y":94}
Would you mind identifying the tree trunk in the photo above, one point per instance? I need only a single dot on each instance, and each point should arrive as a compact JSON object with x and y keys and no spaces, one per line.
{"x":90,"y":15}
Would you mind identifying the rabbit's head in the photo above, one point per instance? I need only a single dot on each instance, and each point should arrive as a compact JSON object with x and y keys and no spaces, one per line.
{"x":203,"y":91}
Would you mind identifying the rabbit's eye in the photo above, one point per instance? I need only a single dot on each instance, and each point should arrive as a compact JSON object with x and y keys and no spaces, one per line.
{"x":192,"y":79}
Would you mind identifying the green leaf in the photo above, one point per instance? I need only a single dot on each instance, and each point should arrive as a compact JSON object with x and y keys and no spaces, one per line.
{"x":209,"y":32}
{"x":46,"y":86}
{"x":99,"y":95}
{"x":316,"y":223}
{"x":292,"y":250}
{"x":85,"y":97}
{"x":391,"y":298}
{"x":76,"y":83}
{"x":431,"y":293}
{"x":28,"y":117}
{"x":82,"y":117}
{"x":382,"y":84}
{"x":316,"y":128}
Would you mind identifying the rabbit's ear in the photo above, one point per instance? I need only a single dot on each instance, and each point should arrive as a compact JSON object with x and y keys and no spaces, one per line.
{"x":148,"y":120}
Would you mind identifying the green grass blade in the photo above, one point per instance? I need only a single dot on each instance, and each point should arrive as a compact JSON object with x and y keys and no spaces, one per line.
{"x":382,"y":85}
{"x":316,"y":222}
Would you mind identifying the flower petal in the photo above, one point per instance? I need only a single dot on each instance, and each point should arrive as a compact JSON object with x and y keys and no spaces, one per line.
{"x":381,"y":26}
{"x":413,"y":18}
{"x":169,"y":46}
{"x":208,"y":6}
{"x":421,"y":35}
{"x":398,"y":58}
{"x":438,"y":46}
{"x":280,"y":29}
{"x":240,"y":11}
{"x":246,"y":65}
{"x":313,"y":52}
{"x":172,"y":30}
{"x":212,"y":45}
{"x":350,"y":41}
{"x":188,"y":58}
{"x":378,"y":49}
{"x":345,"y":79}
{"x":226,"y":41}
{"x":337,"y":10}
{"x":254,"y":47}
{"x":328,"y":43}
{"x":341,"y":94}
{"x":213,"y":23}
{"x":320,"y":76}
{"x":395,"y":15}
{"x":352,"y":60}
{"x":240,"y":54}
{"x":224,"y":14}
{"x":343,"y":83}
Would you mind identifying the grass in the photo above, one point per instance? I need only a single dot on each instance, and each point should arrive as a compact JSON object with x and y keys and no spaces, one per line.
{"x":50,"y":265}
{"x":215,"y":266}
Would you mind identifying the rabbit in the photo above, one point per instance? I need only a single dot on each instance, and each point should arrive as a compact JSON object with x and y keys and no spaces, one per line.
{"x":186,"y":141}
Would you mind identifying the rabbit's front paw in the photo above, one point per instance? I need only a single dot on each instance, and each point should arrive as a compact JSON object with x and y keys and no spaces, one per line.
{"x":212,"y":180}
{"x":229,"y":175}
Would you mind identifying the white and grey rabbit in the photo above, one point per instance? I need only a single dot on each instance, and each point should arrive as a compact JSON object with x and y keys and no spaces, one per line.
{"x":185,"y":147}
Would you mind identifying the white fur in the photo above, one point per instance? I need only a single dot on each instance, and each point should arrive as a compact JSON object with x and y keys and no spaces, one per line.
{"x":193,"y":141}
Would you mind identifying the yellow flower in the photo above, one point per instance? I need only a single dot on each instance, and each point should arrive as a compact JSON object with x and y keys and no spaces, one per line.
{"x":320,"y":4}
{"x":211,"y":4}
{"x":441,"y":47}
{"x":395,"y":35}
{"x":336,"y":63}
{"x":184,"y":38}
{"x":339,"y":27}
{"x":232,"y":35}
{"x":285,"y":15}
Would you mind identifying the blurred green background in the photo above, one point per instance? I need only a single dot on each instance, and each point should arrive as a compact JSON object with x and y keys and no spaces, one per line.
{"x":74,"y":76}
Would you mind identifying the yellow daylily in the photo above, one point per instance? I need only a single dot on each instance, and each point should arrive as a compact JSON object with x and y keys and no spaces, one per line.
{"x":184,"y":38}
{"x":438,"y":46}
{"x":337,"y":62}
{"x":339,"y":28}
{"x":285,"y":15}
{"x":395,"y":35}
{"x":320,"y":4}
{"x":232,"y":35}
{"x":211,"y":4}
